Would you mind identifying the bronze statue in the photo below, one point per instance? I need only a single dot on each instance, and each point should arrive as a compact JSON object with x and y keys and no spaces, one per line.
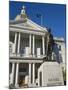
{"x":50,"y":44}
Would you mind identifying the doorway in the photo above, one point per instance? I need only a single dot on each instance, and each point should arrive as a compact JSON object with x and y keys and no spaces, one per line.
{"x":22,"y":81}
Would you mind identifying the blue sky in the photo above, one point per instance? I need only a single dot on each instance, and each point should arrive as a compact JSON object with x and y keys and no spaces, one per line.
{"x":54,"y":15}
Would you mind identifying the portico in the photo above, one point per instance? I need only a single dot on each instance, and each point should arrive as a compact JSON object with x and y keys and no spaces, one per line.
{"x":31,"y":41}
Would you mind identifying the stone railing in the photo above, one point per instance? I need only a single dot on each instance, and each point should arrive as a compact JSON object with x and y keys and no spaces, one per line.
{"x":26,"y":52}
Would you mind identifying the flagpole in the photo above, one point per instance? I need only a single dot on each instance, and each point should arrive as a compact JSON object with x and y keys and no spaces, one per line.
{"x":41,"y":20}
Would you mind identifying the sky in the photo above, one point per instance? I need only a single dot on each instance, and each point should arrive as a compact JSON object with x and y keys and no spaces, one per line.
{"x":53,"y":15}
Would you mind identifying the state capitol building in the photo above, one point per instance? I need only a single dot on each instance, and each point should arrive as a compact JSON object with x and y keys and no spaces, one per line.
{"x":28,"y":52}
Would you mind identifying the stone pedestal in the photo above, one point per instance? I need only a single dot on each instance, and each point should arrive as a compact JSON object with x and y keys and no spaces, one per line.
{"x":50,"y":74}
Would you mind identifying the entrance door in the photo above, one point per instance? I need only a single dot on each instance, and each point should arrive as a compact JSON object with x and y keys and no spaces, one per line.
{"x":22,"y":81}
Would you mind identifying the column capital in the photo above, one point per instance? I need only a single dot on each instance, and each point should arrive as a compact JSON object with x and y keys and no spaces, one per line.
{"x":13,"y":62}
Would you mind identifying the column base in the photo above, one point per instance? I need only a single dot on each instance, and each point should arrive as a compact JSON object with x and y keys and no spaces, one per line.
{"x":32,"y":85}
{"x":16,"y":86}
{"x":34,"y":55}
{"x":29,"y":85}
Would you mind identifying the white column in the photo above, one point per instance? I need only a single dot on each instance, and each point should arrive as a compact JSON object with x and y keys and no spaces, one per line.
{"x":33,"y":72}
{"x":18,"y":44}
{"x":30,"y":42}
{"x":15,"y":40}
{"x":29,"y":73}
{"x":33,"y":45}
{"x":43,"y":45}
{"x":17,"y":71}
{"x":38,"y":79}
{"x":12,"y":77}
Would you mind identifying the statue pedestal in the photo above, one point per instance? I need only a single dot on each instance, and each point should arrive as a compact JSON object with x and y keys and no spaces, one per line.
{"x":50,"y":74}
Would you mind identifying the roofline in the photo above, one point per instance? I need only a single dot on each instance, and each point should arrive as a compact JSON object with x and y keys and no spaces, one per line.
{"x":59,"y":39}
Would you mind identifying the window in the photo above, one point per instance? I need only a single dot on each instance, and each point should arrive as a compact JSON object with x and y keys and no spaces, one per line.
{"x":22,"y":70}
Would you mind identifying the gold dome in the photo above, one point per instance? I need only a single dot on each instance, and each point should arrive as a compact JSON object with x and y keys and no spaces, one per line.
{"x":22,"y":16}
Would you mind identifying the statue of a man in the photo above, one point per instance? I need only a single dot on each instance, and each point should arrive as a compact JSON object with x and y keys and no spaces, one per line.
{"x":50,"y":43}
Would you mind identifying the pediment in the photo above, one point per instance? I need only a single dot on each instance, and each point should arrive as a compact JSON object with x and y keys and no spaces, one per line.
{"x":28,"y":24}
